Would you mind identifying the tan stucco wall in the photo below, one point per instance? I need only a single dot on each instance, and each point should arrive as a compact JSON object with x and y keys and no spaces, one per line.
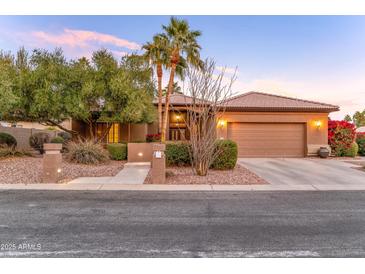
{"x":22,"y":135}
{"x":314,"y":136}
{"x":66,"y":124}
{"x":138,"y":132}
{"x":139,"y":152}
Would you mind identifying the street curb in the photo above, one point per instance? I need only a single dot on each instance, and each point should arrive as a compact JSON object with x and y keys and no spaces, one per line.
{"x":209,"y":188}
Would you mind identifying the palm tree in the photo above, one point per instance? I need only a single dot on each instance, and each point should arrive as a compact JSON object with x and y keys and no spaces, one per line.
{"x":157,"y":54}
{"x":176,"y":89}
{"x":182,"y":41}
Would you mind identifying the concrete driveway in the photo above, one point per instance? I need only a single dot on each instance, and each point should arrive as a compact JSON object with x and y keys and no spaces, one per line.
{"x":306,"y":171}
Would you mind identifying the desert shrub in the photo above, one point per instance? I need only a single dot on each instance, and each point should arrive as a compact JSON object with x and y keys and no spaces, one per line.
{"x":341,"y":135}
{"x":153,"y":138}
{"x":117,"y":151}
{"x":352,"y":150}
{"x":177,"y":154}
{"x":226,"y":155}
{"x":7,"y":139}
{"x":65,"y":136}
{"x":6,"y":151}
{"x":57,"y":140}
{"x":37,"y":140}
{"x":360,"y":140}
{"x":86,"y":152}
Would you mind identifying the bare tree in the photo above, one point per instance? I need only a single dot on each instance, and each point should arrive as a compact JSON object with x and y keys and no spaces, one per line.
{"x":209,"y":91}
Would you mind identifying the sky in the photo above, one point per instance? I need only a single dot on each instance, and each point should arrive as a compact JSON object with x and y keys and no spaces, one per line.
{"x":320,"y":58}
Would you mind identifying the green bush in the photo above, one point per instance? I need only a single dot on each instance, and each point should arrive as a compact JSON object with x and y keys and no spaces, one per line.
{"x":6,"y":151}
{"x":65,"y":136}
{"x":7,"y":139}
{"x":86,"y":153}
{"x":37,"y":140}
{"x":360,"y":140}
{"x":352,"y":150}
{"x":117,"y":151}
{"x":177,"y":154}
{"x":227,"y":155}
{"x":57,"y":140}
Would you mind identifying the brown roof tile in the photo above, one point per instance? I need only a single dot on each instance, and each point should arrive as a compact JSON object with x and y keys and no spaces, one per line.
{"x":258,"y":101}
{"x":177,"y":99}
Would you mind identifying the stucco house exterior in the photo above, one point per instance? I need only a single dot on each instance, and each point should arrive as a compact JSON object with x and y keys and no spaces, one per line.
{"x":263,"y":125}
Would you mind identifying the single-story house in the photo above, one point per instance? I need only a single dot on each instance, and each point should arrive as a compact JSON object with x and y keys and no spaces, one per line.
{"x":263,"y":125}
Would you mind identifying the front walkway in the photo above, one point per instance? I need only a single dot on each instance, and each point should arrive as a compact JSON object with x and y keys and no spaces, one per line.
{"x":131,"y":174}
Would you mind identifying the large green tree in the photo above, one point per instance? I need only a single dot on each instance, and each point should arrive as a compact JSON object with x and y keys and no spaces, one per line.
{"x":44,"y":87}
{"x":359,"y":118}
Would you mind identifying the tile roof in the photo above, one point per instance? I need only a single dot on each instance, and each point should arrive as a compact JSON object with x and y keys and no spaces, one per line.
{"x":258,"y":101}
{"x":177,"y":99}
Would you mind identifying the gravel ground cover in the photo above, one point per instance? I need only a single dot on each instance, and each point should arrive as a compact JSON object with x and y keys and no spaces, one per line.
{"x":184,"y":175}
{"x":27,"y":170}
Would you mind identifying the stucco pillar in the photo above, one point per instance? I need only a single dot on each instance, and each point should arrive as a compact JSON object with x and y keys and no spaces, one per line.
{"x":52,"y":160}
{"x":158,"y":164}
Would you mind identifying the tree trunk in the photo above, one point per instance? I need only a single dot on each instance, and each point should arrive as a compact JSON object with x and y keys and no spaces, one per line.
{"x":51,"y":123}
{"x":91,"y":130}
{"x":105,"y":133}
{"x":167,"y":102}
{"x":159,"y":80}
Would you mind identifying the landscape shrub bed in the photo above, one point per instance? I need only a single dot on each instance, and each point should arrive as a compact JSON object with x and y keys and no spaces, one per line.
{"x":57,"y":140}
{"x":37,"y":140}
{"x":341,"y":135}
{"x":360,"y":140}
{"x":150,"y":138}
{"x":65,"y":136}
{"x":177,"y":154}
{"x":227,"y":155}
{"x":352,"y":150}
{"x":117,"y":151}
{"x":86,"y":153}
{"x":6,"y":151}
{"x":7,"y":139}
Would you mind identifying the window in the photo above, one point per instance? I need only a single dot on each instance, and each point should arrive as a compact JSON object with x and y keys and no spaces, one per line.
{"x":113,"y":134}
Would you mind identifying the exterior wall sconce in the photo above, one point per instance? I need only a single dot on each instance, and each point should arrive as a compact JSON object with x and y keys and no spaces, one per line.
{"x":318,"y":124}
{"x":140,"y":154}
{"x":221,"y":123}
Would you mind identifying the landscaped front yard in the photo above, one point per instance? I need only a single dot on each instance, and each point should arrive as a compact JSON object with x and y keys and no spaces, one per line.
{"x":28,"y":170}
{"x":184,"y":175}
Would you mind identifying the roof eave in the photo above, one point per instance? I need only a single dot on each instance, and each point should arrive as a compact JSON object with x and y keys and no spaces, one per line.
{"x":283,"y":109}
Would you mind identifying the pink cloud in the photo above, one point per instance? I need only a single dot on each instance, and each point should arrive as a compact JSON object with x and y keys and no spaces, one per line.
{"x":83,"y":38}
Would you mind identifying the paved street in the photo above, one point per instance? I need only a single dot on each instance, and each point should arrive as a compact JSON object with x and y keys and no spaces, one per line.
{"x":182,"y":224}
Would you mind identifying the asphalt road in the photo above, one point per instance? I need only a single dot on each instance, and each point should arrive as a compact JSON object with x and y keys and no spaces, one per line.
{"x":181,"y":224}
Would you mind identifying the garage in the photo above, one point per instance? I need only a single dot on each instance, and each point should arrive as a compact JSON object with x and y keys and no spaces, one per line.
{"x":268,"y":139}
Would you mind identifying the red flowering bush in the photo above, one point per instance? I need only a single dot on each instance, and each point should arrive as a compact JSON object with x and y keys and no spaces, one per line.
{"x":360,"y":140}
{"x":153,"y":138}
{"x":341,"y":134}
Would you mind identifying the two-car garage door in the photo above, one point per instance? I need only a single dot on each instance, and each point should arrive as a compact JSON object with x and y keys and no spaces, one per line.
{"x":268,"y":139}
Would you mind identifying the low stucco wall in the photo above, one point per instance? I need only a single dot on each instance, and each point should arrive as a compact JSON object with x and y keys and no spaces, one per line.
{"x":315,"y":137}
{"x":22,"y":135}
{"x":140,"y":152}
